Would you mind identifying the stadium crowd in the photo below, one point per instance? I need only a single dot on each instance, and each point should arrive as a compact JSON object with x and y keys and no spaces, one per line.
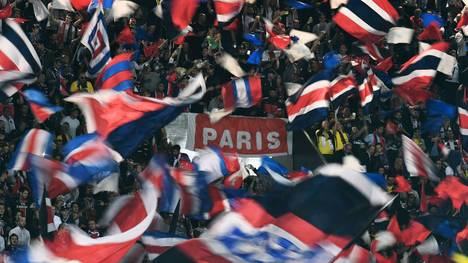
{"x":163,"y":70}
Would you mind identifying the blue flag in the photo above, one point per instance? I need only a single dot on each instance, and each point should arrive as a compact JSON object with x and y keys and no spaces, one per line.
{"x":256,"y":57}
{"x":440,"y":108}
{"x":429,"y":18}
{"x":297,"y":4}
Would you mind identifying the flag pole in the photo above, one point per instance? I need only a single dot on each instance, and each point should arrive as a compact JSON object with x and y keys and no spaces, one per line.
{"x":364,"y":230}
{"x":315,"y":147}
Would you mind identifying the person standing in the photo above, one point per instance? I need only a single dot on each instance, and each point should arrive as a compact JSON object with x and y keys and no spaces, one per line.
{"x":325,"y":141}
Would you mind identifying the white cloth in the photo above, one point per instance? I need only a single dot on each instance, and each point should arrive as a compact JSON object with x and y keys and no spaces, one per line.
{"x":73,"y":123}
{"x":24,"y":237}
{"x":57,"y":221}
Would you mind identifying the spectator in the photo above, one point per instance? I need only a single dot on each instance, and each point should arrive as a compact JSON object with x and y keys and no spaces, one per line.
{"x":177,"y":156}
{"x":81,"y":85}
{"x":21,"y":233}
{"x":73,"y":123}
{"x":92,"y":229}
{"x":7,"y":119}
{"x":325,"y":141}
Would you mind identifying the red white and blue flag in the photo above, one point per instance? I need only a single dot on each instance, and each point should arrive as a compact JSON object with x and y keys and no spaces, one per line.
{"x":96,"y":40}
{"x":341,"y":88}
{"x":157,"y":242}
{"x":417,"y":162}
{"x":40,"y":105}
{"x":313,"y":221}
{"x":227,"y":10}
{"x":368,"y":87}
{"x":118,"y":74}
{"x":420,"y":70}
{"x":309,"y":105}
{"x":36,"y":142}
{"x":118,"y":116}
{"x":463,"y":123}
{"x":367,"y":20}
{"x":217,"y":164}
{"x":19,"y":61}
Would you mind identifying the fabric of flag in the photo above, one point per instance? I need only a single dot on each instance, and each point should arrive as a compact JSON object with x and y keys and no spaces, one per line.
{"x":280,"y":174}
{"x":175,"y":18}
{"x":217,"y":164}
{"x":19,"y":62}
{"x":256,"y":57}
{"x":367,"y":88}
{"x":297,"y":4}
{"x":253,"y":39}
{"x":428,"y":18}
{"x":341,"y":88}
{"x":117,"y":74}
{"x":463,"y":23}
{"x":118,"y":116}
{"x":402,"y":185}
{"x":411,"y":95}
{"x":440,"y":108}
{"x":417,"y":162}
{"x":126,"y":36}
{"x":451,"y":188}
{"x":96,"y":41}
{"x":420,"y":70}
{"x":279,"y":41}
{"x":354,"y":254}
{"x":157,"y":242}
{"x":366,"y":20}
{"x":242,"y":93}
{"x":227,"y":10}
{"x":36,"y":142}
{"x":74,"y":244}
{"x":463,"y":123}
{"x":313,"y":221}
{"x":431,"y":32}
{"x":40,"y":105}
{"x":310,"y":105}
{"x":372,"y":50}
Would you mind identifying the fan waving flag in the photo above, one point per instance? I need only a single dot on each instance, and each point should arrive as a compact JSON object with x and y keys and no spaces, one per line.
{"x":40,"y":105}
{"x":417,"y":162}
{"x":310,"y":105}
{"x":313,"y":221}
{"x":117,"y":75}
{"x":420,"y":70}
{"x":125,"y":120}
{"x":35,"y":142}
{"x":367,"y":20}
{"x":19,"y":61}
{"x":96,"y":40}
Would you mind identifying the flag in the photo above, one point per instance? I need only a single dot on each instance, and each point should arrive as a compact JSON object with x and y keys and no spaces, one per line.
{"x":439,"y":108}
{"x":341,"y":88}
{"x":95,"y":39}
{"x":217,"y":164}
{"x":157,"y":242}
{"x":118,"y":116}
{"x":417,"y":162}
{"x":310,"y":105}
{"x":19,"y":62}
{"x":230,"y":64}
{"x":367,"y":86}
{"x":354,"y":254}
{"x":279,"y":41}
{"x":368,"y":21}
{"x":400,"y":35}
{"x":256,"y":57}
{"x":117,"y":74}
{"x":74,"y":244}
{"x":227,"y":10}
{"x":280,"y":174}
{"x":402,"y":185}
{"x":428,"y":18}
{"x":411,"y":95}
{"x":126,"y":36}
{"x":414,"y":233}
{"x":253,"y":39}
{"x":176,"y":19}
{"x":35,"y":142}
{"x":372,"y":50}
{"x":313,"y":221}
{"x":40,"y":10}
{"x":302,"y":36}
{"x":431,"y":32}
{"x":420,"y":70}
{"x":452,"y":188}
{"x":40,"y":105}
{"x":463,"y":123}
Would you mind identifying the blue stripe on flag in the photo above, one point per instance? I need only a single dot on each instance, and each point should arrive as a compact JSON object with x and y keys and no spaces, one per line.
{"x":94,"y":70}
{"x":367,"y":14}
{"x":115,"y":69}
{"x":234,"y":90}
{"x":127,"y":84}
{"x":248,"y":89}
{"x":222,"y":163}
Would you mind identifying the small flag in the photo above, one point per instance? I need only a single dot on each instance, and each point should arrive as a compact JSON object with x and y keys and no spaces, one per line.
{"x":40,"y":105}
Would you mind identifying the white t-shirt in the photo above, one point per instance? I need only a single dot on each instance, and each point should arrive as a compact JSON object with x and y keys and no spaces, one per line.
{"x":73,"y":123}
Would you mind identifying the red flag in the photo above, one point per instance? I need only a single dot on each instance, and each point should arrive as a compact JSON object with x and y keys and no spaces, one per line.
{"x":182,"y":12}
{"x":394,"y":227}
{"x":126,"y":37}
{"x":382,"y":259}
{"x":6,"y":12}
{"x":452,"y":188}
{"x":153,"y":49}
{"x":432,"y":32}
{"x":412,"y":96}
{"x":385,"y":65}
{"x":462,"y":235}
{"x":402,"y":185}
{"x":414,"y":233}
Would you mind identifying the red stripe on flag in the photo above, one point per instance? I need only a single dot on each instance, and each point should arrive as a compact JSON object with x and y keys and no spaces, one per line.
{"x":131,"y":214}
{"x":199,"y":252}
{"x":355,"y":29}
{"x":308,"y":99}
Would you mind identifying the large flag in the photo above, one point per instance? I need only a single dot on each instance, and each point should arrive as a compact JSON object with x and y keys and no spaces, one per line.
{"x":367,"y":20}
{"x":280,"y":175}
{"x":312,"y":222}
{"x":420,"y":70}
{"x":36,"y":142}
{"x":76,"y":245}
{"x":117,"y":75}
{"x":96,"y":40}
{"x":157,"y":242}
{"x":124,"y":120}
{"x":309,"y":105}
{"x":40,"y":105}
{"x":217,"y":164}
{"x":417,"y":162}
{"x":341,"y":88}
{"x":19,"y":61}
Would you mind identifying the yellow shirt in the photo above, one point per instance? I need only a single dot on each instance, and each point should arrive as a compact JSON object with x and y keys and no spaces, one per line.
{"x":339,"y":144}
{"x":74,"y":87}
{"x":325,"y":143}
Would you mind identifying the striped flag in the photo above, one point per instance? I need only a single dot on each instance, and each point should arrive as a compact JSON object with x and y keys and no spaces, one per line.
{"x":35,"y":142}
{"x":368,"y":85}
{"x":367,"y":20}
{"x":157,"y":242}
{"x":420,"y":70}
{"x":227,"y":10}
{"x":463,"y":123}
{"x":417,"y":162}
{"x":118,"y":74}
{"x":19,"y":61}
{"x":40,"y":105}
{"x":310,"y":105}
{"x":96,"y":40}
{"x":341,"y":88}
